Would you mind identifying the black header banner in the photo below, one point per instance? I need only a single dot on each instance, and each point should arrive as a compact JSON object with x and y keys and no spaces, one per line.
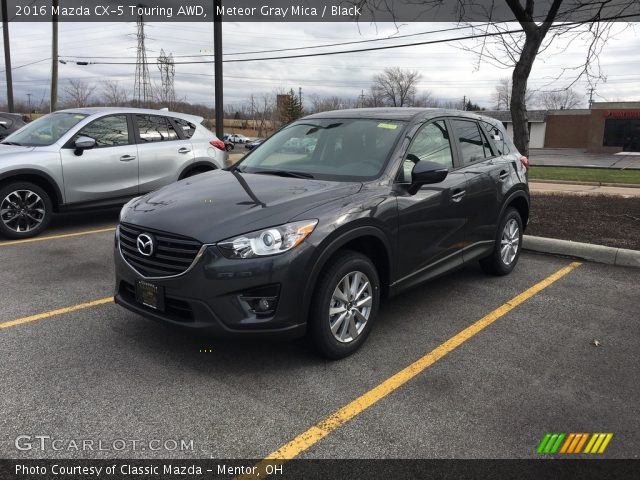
{"x":121,"y":469}
{"x":313,"y":10}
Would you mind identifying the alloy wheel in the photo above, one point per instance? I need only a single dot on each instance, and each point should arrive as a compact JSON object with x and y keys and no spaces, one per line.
{"x":22,"y":211}
{"x":510,"y":241}
{"x":350,"y":306}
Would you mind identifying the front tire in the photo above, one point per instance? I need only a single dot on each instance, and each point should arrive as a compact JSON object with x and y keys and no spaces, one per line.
{"x":345,"y":305}
{"x":25,"y":210}
{"x":508,"y":245}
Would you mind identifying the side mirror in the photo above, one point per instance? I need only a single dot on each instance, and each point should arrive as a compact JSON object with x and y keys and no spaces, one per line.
{"x":424,"y":173}
{"x":84,"y":143}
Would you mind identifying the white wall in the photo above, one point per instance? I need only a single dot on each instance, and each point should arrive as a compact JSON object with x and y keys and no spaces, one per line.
{"x":536,"y":137}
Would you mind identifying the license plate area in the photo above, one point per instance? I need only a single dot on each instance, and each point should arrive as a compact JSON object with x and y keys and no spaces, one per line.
{"x":150,"y":295}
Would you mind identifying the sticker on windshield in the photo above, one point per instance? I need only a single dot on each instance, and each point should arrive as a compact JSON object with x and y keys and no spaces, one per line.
{"x":388,"y":126}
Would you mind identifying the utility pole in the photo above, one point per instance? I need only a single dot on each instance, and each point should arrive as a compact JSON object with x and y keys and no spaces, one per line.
{"x":362,"y":99}
{"x":591,"y":97}
{"x":29,"y":102}
{"x":7,"y":56}
{"x":217,"y":63}
{"x":300,"y":96}
{"x":464,"y":102}
{"x":53,"y":103}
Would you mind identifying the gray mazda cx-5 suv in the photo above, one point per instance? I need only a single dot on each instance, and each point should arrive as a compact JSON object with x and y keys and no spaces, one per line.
{"x":295,"y":241}
{"x":93,"y":157}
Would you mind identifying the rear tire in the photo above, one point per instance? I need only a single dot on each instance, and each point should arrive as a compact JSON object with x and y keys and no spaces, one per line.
{"x":508,"y":245}
{"x":25,"y":210}
{"x":345,"y":305}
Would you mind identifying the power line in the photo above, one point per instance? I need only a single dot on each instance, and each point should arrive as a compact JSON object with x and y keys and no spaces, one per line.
{"x":27,"y":64}
{"x":309,"y":47}
{"x":370,"y":49}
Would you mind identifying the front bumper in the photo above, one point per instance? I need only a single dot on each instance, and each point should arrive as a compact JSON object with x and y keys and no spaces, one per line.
{"x":211,"y":296}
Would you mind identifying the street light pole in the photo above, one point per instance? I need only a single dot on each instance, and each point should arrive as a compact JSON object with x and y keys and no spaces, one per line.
{"x":7,"y":56}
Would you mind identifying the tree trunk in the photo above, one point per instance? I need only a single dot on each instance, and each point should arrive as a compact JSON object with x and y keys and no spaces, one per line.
{"x":521,"y":72}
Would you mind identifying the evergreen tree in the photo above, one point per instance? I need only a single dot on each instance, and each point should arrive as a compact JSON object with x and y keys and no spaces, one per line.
{"x":292,"y":109}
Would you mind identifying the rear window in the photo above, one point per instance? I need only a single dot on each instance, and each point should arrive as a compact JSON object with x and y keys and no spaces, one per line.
{"x":155,"y":128}
{"x":187,"y":128}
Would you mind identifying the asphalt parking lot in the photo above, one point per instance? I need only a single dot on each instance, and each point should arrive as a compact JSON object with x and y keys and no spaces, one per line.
{"x":101,"y":373}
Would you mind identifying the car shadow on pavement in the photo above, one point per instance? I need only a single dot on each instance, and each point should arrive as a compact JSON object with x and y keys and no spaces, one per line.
{"x":83,"y":220}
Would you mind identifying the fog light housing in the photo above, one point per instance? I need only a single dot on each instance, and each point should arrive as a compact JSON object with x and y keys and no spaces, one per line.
{"x":262,"y":301}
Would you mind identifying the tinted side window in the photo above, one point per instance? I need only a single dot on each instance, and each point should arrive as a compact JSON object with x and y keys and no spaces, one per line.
{"x":154,"y":128}
{"x":473,"y":145}
{"x":5,"y":122}
{"x":111,"y":131}
{"x":432,"y":144}
{"x":188,"y":129}
{"x":498,"y":136}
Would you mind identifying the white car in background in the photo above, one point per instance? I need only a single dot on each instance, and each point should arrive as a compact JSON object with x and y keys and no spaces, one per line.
{"x":96,"y":157}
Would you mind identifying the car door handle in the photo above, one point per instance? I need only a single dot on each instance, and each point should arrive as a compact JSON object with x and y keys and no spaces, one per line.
{"x":184,"y":150}
{"x":503,"y":175}
{"x":457,"y":195}
{"x":127,"y":158}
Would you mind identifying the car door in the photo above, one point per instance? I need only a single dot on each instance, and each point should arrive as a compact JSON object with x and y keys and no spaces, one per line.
{"x":107,"y":171}
{"x":483,"y":169}
{"x":163,"y":152}
{"x":432,"y":221}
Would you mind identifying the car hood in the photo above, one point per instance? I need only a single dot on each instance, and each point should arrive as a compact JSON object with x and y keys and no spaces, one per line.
{"x":218,"y":205}
{"x":12,"y":149}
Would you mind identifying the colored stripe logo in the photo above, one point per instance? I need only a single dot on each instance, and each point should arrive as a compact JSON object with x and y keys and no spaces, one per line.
{"x":572,"y":443}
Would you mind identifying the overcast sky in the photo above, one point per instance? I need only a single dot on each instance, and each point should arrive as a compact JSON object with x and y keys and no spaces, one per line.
{"x":448,"y":72}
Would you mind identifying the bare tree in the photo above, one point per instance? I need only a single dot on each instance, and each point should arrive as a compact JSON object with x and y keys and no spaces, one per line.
{"x":396,"y":86}
{"x":560,"y":99}
{"x":501,"y":96}
{"x":113,"y":94}
{"x":542,"y":23}
{"x":78,"y":93}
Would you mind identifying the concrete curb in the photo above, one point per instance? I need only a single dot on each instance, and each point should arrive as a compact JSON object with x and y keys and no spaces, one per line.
{"x":586,"y":251}
{"x":591,"y":184}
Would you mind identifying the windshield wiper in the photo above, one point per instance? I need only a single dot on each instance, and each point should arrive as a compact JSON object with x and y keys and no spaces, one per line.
{"x":11,"y":143}
{"x":285,"y":173}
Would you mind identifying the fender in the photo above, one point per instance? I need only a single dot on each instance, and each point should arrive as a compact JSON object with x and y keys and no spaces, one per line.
{"x":333,"y":245}
{"x":36,"y":173}
{"x":516,"y":191}
{"x":196,"y":164}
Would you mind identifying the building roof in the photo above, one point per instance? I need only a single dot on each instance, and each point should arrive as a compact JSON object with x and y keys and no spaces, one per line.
{"x":535,"y":116}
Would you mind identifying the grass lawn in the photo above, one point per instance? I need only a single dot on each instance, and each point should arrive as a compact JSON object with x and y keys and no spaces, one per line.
{"x":607,"y":175}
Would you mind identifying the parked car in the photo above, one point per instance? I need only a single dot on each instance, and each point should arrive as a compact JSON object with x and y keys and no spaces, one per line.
{"x":309,"y":243}
{"x":90,"y":157}
{"x":237,"y":138}
{"x":253,"y":143}
{"x":9,"y":123}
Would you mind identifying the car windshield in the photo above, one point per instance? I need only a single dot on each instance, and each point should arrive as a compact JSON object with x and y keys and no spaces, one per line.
{"x":328,"y":149}
{"x":45,"y":130}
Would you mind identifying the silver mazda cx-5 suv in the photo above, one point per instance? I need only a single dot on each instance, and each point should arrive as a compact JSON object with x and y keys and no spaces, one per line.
{"x":96,"y":157}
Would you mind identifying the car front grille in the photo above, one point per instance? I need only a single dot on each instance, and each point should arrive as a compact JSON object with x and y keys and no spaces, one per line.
{"x":172,"y":254}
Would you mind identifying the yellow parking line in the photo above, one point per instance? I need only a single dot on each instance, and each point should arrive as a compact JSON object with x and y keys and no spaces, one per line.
{"x":323,"y":428}
{"x":53,"y":313}
{"x":55,"y":237}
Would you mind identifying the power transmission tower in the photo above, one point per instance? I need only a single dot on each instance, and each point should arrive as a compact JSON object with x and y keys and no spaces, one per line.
{"x":591,"y":96}
{"x":142,"y":94}
{"x":167,"y":68}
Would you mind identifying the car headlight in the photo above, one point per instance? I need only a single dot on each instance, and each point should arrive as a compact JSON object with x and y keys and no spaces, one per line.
{"x":270,"y":241}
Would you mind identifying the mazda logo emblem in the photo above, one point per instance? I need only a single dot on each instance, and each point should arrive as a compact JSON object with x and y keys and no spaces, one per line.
{"x":145,"y":244}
